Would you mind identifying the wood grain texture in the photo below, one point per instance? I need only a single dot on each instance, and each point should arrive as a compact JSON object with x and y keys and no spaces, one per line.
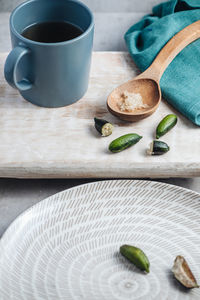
{"x":62,"y":143}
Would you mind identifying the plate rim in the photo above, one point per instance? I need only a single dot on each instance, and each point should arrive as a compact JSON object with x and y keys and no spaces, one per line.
{"x":150,"y":182}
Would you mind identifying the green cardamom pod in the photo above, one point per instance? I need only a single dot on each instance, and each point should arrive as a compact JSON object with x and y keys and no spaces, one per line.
{"x":166,"y":125}
{"x":136,"y":256}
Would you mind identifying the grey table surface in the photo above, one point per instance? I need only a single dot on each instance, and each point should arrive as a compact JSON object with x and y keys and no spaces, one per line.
{"x":111,"y":23}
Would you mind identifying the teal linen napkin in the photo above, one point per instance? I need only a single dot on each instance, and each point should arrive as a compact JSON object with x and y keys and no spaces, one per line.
{"x":180,"y":83}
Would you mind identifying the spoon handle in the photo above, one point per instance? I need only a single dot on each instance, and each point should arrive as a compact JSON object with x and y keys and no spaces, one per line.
{"x":171,"y":49}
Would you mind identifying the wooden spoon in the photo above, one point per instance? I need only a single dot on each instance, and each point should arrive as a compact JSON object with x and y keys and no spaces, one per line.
{"x":147,"y":83}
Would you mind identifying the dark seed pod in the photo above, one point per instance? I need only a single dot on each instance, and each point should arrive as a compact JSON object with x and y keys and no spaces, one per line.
{"x":158,"y":148}
{"x":103,"y":127}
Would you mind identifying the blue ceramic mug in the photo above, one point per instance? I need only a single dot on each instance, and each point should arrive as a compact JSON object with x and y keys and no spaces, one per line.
{"x":50,"y":74}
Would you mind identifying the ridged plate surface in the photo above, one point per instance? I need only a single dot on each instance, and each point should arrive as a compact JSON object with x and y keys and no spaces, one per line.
{"x":66,"y":247}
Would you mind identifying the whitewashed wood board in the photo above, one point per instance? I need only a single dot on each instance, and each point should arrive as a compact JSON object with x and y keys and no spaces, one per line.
{"x":62,"y":143}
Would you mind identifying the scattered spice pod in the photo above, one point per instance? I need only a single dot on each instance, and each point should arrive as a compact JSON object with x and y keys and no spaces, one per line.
{"x":124,"y":142}
{"x":183,"y":273}
{"x":136,"y":256}
{"x":158,"y":148}
{"x":103,"y":127}
{"x":165,"y":125}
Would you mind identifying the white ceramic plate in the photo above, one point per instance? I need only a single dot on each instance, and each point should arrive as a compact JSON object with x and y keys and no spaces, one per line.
{"x":67,"y":246}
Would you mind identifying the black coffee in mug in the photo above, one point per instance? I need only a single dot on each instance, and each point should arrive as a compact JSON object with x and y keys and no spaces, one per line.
{"x":52,"y":48}
{"x":52,"y":32}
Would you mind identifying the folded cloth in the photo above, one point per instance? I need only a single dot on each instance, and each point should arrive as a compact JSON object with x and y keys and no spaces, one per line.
{"x":180,"y":84}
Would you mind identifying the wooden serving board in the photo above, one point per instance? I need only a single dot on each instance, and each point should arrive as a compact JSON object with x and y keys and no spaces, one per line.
{"x":62,"y":143}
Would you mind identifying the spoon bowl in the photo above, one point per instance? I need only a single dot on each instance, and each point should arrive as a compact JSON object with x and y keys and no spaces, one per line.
{"x":147,"y":83}
{"x":150,"y":91}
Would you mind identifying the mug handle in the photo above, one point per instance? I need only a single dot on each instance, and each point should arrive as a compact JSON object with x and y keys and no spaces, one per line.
{"x":10,"y":69}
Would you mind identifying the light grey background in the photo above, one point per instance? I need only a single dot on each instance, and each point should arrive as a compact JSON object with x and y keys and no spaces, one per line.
{"x":111,"y":6}
{"x":112,"y":18}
